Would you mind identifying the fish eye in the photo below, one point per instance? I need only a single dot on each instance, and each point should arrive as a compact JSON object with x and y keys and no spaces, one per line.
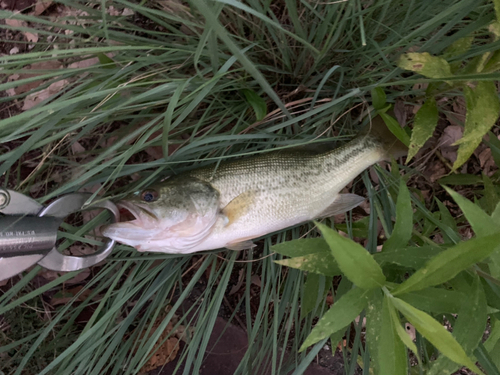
{"x":149,"y":195}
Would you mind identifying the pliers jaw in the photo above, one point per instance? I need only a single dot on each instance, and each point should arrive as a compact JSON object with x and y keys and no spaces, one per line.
{"x":28,"y":233}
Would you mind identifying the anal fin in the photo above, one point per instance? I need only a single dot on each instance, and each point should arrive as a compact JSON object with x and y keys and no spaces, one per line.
{"x":341,"y":204}
{"x":242,"y":245}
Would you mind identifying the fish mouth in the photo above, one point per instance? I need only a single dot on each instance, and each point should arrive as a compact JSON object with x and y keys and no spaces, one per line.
{"x":139,"y":213}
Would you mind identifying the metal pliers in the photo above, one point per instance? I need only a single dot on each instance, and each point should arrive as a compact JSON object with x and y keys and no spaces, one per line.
{"x":28,"y":233}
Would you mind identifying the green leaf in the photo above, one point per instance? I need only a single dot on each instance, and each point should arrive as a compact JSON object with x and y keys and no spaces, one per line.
{"x":395,"y":128}
{"x":353,"y":260}
{"x":468,"y":329}
{"x":302,"y":247}
{"x":106,"y":61}
{"x":494,"y":144}
{"x":483,"y":107}
{"x":404,"y":221}
{"x":425,"y":64}
{"x":448,"y":224}
{"x":449,"y":263}
{"x":435,"y":300}
{"x":479,"y":220}
{"x":311,"y":294}
{"x":258,"y":104}
{"x":490,"y":195}
{"x":460,"y":179}
{"x":318,"y":263}
{"x":373,"y":328}
{"x":359,"y":228}
{"x":379,"y":99}
{"x":340,"y":315}
{"x":435,"y":333}
{"x":411,"y":257}
{"x":493,"y":63}
{"x":494,"y":337}
{"x":402,"y":333}
{"x":496,"y":4}
{"x":425,"y":122}
{"x":392,"y":352}
{"x":459,"y":47}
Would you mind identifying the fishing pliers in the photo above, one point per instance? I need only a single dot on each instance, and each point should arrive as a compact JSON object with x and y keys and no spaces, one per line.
{"x":29,"y":231}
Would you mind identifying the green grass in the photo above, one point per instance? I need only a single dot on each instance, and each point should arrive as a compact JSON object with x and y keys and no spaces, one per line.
{"x":174,"y":79}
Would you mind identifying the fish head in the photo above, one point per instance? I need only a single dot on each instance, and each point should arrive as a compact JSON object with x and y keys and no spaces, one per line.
{"x":172,"y":217}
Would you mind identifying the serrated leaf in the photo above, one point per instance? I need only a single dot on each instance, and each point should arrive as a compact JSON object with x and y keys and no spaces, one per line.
{"x":425,"y":64}
{"x":411,"y":257}
{"x":391,"y":351}
{"x":449,"y":263}
{"x":393,"y":125}
{"x":318,"y":263}
{"x":436,"y":334}
{"x":402,"y":231}
{"x":258,"y":104}
{"x":425,"y":122}
{"x":353,"y":260}
{"x":483,"y":107}
{"x":302,"y":247}
{"x":468,"y":329}
{"x":479,"y":220}
{"x":310,"y":295}
{"x":435,"y":300}
{"x":460,"y":179}
{"x":340,"y":315}
{"x":379,"y":99}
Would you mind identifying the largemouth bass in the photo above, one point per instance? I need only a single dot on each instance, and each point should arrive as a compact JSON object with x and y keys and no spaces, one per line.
{"x":241,"y":200}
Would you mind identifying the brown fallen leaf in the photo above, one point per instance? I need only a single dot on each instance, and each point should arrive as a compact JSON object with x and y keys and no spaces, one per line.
{"x":451,"y":134}
{"x":28,"y":35}
{"x":41,"y":6}
{"x":37,"y":97}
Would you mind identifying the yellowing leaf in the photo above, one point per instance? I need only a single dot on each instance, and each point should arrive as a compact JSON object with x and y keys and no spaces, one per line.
{"x":483,"y":107}
{"x":317,"y":263}
{"x":354,"y":261}
{"x":423,"y":127}
{"x":425,"y":64}
{"x":458,"y":48}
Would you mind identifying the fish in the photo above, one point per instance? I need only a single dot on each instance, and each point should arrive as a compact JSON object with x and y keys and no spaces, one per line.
{"x":229,"y":206}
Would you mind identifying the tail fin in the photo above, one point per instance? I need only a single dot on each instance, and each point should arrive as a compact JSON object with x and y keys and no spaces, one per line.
{"x":377,"y":131}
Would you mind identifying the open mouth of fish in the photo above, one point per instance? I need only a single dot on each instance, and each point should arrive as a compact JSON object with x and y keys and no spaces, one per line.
{"x":133,"y":213}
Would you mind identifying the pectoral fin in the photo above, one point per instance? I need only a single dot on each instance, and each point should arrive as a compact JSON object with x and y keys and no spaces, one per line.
{"x":341,"y":204}
{"x":238,"y":207}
